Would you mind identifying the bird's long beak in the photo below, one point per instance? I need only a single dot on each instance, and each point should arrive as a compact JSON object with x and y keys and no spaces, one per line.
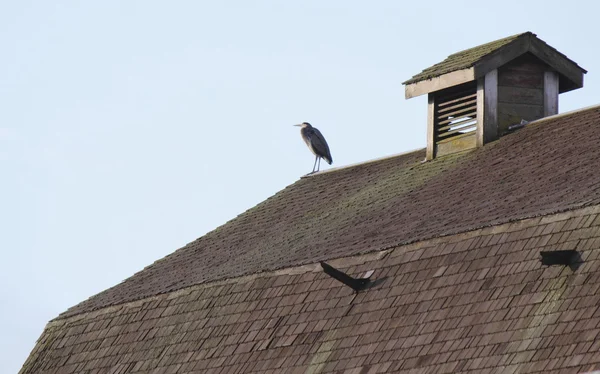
{"x":298,"y":124}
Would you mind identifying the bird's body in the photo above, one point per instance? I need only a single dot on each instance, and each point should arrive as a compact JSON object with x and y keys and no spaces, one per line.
{"x":316,"y":143}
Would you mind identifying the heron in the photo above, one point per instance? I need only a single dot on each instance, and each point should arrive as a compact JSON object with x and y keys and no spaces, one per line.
{"x":316,"y":143}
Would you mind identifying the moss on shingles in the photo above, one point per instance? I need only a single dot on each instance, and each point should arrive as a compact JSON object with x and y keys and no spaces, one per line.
{"x":463,"y":59}
{"x":374,"y":194}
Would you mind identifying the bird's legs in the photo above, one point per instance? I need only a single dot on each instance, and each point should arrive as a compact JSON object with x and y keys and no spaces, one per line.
{"x":319,"y":165}
{"x":315,"y":165}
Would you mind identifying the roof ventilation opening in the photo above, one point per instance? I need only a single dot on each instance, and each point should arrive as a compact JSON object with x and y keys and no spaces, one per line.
{"x":455,"y":118}
{"x":570,"y":258}
{"x":357,"y":284}
{"x":475,"y":96}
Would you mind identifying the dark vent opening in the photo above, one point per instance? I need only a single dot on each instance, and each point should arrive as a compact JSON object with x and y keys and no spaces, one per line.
{"x":568,"y":257}
{"x":455,"y":118}
{"x":357,"y":284}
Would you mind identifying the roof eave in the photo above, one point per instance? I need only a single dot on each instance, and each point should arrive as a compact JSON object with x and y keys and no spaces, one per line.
{"x":439,"y":83}
{"x":571,"y":74}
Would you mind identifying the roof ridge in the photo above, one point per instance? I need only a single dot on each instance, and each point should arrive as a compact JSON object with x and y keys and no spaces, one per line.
{"x":366,"y":162}
{"x":565,"y":114}
{"x":360,"y":163}
{"x":512,"y":38}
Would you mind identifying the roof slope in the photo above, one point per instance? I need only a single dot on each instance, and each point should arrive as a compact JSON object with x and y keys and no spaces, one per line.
{"x":477,"y":302}
{"x":470,"y":57}
{"x":549,"y":166}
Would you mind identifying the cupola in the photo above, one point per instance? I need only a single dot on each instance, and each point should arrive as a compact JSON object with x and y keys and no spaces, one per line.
{"x":476,"y":94}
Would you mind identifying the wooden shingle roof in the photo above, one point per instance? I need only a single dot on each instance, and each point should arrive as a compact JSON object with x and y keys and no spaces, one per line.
{"x":455,"y":247}
{"x":477,"y":302}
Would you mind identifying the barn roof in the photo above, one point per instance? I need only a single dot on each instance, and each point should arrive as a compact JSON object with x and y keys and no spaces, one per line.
{"x":476,"y":302}
{"x":547,"y":167}
{"x":454,"y":243}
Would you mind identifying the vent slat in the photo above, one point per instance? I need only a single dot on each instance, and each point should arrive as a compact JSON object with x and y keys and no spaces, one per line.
{"x":458,"y":123}
{"x":466,"y":115}
{"x":470,"y":102}
{"x":460,"y":111}
{"x":461,"y":130}
{"x":446,"y":140}
{"x":455,"y":92}
{"x":446,"y":103}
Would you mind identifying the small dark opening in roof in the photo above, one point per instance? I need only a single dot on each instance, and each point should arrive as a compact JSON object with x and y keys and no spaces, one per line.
{"x":357,"y":284}
{"x":570,"y":258}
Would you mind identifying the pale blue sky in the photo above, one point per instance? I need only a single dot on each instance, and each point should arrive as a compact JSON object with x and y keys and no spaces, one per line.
{"x":130,"y":128}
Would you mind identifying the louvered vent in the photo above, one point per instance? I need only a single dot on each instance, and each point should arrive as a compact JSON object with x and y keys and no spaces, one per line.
{"x":455,"y":118}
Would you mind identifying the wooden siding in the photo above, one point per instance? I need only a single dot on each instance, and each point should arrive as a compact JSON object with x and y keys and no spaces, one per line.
{"x":520,"y":92}
{"x":487,"y":106}
{"x":551,"y":89}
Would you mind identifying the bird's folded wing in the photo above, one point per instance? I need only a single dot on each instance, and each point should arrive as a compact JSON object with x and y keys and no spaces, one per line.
{"x":320,"y":145}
